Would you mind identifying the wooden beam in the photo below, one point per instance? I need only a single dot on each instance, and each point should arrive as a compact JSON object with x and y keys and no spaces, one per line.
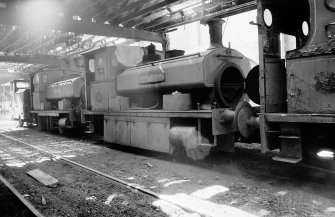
{"x":182,"y":5}
{"x":182,"y":14}
{"x":97,"y":8}
{"x":8,"y":30}
{"x":111,"y":7}
{"x":218,"y":11}
{"x":138,"y":10}
{"x":13,"y":17}
{"x":36,"y":59}
{"x":80,"y":7}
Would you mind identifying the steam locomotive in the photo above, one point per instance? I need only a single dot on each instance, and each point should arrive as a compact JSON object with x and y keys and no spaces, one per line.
{"x":136,"y":98}
{"x":196,"y":103}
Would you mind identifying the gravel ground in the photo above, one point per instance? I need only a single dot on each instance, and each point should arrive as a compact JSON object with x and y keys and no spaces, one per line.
{"x":223,"y":185}
{"x":10,"y":206}
{"x":79,"y":193}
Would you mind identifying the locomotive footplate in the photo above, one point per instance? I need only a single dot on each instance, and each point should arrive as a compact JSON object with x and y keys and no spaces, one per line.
{"x":55,"y":113}
{"x":161,"y":113}
{"x":87,"y":112}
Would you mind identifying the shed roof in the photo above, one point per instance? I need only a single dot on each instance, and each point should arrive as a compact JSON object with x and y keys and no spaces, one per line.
{"x":40,"y":33}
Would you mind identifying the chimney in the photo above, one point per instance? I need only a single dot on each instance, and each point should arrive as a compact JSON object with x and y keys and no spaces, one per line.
{"x":215,"y":32}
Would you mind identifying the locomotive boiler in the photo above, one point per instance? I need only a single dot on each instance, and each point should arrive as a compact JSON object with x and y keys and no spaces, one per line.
{"x":213,"y":76}
{"x":216,"y":75}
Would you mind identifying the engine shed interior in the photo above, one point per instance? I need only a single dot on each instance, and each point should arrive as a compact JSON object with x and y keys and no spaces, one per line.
{"x":84,"y":73}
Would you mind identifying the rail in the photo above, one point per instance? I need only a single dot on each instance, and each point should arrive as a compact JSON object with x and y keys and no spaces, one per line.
{"x":113,"y":178}
{"x":20,"y":197}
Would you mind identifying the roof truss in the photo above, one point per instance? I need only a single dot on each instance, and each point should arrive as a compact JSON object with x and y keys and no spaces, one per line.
{"x":12,"y":17}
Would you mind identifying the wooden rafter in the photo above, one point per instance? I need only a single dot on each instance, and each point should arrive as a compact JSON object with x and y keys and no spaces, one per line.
{"x":208,"y":11}
{"x":112,"y":6}
{"x":11,"y":18}
{"x":80,"y":7}
{"x":96,"y":9}
{"x":137,"y":9}
{"x":36,"y":59}
{"x":181,"y":14}
{"x":163,"y":12}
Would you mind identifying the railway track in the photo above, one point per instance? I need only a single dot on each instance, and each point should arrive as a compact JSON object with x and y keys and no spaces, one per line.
{"x":126,"y":184}
{"x":22,"y":206}
{"x":241,"y":154}
{"x":268,"y":169}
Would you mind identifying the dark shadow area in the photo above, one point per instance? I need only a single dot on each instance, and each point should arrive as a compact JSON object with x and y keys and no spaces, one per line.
{"x":10,"y":205}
